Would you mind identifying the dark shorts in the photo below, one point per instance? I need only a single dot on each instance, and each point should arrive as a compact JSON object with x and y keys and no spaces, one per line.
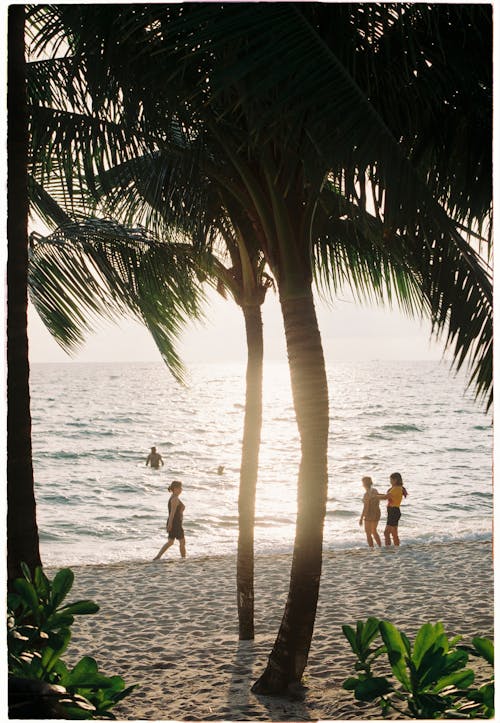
{"x":393,"y":516}
{"x":176,"y":534}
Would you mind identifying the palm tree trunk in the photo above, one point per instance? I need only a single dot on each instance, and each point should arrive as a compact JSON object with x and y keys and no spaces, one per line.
{"x":288,"y":658}
{"x":22,"y":531}
{"x":248,"y":471}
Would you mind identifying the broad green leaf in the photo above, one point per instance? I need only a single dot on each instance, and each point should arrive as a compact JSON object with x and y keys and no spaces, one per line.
{"x":61,"y":585}
{"x":376,"y":652}
{"x":60,"y":640}
{"x":81,"y":607}
{"x":406,"y":643}
{"x":425,"y":638}
{"x":455,"y":660}
{"x":75,"y":712}
{"x":437,"y":664}
{"x":460,"y":678}
{"x":13,"y":601}
{"x":85,"y":674}
{"x":370,"y":631}
{"x":116,"y":683}
{"x":350,"y":683}
{"x":397,"y":652}
{"x":42,"y":583}
{"x":58,"y":620}
{"x":60,"y":669}
{"x":125,"y":692}
{"x":351,"y":637}
{"x":485,"y":648}
{"x":361,"y":665}
{"x":27,"y":593}
{"x":372,"y":688}
{"x":359,"y":633}
{"x":26,"y":571}
{"x":441,"y":638}
{"x":50,"y":658}
{"x":487,"y":693}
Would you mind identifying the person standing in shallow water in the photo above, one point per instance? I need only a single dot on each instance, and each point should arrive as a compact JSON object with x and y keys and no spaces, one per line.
{"x":394,"y":497}
{"x":174,"y":523}
{"x":371,"y":511}
{"x":154,"y":459}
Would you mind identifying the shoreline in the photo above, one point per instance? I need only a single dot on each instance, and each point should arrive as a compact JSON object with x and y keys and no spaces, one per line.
{"x":266,"y":554}
{"x":171,"y":625}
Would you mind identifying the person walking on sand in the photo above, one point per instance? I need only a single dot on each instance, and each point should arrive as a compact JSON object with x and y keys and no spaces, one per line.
{"x":154,"y":459}
{"x":174,"y":522}
{"x":394,"y":497}
{"x":371,"y":511}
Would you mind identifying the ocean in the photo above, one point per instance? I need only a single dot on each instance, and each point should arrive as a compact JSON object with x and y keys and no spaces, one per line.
{"x":97,"y":502}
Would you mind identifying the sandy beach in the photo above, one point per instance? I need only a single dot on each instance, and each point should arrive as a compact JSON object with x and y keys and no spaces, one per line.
{"x":171,"y":626}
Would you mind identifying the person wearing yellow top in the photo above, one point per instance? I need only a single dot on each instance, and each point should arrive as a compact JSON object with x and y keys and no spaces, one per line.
{"x":394,"y":498}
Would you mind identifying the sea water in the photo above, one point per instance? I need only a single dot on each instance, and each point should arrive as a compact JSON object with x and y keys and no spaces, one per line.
{"x":94,"y":424}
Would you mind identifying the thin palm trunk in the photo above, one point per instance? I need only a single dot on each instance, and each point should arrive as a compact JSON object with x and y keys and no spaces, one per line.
{"x":249,"y":470}
{"x":288,"y":658}
{"x":22,"y":531}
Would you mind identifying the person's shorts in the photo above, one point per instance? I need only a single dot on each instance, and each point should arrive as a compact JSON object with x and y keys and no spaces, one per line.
{"x":393,"y":516}
{"x":176,"y":534}
{"x":372,"y":518}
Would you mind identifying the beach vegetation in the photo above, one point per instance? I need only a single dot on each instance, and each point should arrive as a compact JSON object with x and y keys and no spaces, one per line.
{"x":429,"y":676}
{"x":334,"y":131}
{"x":39,"y":624}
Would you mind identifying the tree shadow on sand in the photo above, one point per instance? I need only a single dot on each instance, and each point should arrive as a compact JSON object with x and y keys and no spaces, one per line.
{"x":242,"y":704}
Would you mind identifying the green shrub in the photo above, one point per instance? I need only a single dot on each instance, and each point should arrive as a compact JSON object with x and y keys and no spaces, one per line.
{"x":38,"y":633}
{"x":431,"y":679}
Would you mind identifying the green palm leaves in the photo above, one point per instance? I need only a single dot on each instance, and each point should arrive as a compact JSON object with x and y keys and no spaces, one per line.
{"x":97,"y":268}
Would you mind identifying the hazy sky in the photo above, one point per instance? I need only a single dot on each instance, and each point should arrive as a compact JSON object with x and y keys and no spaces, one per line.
{"x":349,"y":332}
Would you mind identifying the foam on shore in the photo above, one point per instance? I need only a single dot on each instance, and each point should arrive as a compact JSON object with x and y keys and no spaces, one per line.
{"x":172,"y":625}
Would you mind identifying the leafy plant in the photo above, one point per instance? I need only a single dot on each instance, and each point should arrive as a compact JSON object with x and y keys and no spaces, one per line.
{"x":431,"y":677}
{"x":38,"y":633}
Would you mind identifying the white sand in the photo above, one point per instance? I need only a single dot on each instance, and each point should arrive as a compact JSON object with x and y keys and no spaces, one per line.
{"x":172,"y":626}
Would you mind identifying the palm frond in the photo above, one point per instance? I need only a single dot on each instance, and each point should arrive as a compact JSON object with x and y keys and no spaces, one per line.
{"x":97,"y":268}
{"x":449,"y":284}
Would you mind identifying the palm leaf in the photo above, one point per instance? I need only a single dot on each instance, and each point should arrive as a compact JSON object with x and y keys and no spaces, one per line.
{"x":97,"y":268}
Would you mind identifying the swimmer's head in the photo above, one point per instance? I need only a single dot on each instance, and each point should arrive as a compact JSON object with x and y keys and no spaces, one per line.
{"x":175,"y":485}
{"x":396,"y":479}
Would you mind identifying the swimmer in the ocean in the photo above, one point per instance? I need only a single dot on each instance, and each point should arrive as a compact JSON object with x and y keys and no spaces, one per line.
{"x":154,"y":459}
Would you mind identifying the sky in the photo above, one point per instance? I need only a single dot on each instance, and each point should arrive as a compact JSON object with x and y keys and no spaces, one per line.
{"x":349,"y":332}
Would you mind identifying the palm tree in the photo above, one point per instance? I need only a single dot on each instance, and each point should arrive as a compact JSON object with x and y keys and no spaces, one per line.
{"x":22,"y":531}
{"x":63,"y":291}
{"x":321,"y":113}
{"x":156,"y":190}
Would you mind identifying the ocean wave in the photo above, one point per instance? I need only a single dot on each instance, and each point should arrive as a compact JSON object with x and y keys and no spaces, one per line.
{"x":49,"y":536}
{"x":57,"y":499}
{"x":401,"y":428}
